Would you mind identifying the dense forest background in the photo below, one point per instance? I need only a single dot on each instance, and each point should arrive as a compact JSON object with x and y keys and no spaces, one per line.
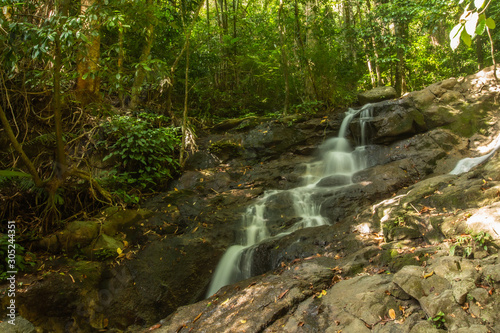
{"x":101,"y":99}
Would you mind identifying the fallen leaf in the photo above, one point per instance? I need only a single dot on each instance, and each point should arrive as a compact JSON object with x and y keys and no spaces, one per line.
{"x":197,"y":317}
{"x":392,"y":314}
{"x":119,"y":251}
{"x":159,"y":325}
{"x":300,"y":324}
{"x":283,"y":294}
{"x":243,"y":321}
{"x":428,"y":275}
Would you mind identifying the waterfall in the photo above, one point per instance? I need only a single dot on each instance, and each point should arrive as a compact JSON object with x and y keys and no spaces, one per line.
{"x":468,"y":163}
{"x":339,"y":161}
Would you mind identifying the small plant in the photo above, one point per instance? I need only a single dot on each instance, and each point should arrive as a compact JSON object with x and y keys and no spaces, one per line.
{"x":21,"y":263}
{"x":481,"y":239}
{"x":143,"y":152}
{"x":105,"y":254}
{"x":438,"y":320}
{"x":399,"y":221}
{"x":469,"y":243}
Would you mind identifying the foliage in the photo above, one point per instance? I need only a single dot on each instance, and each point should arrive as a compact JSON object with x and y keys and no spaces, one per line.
{"x":471,"y":23}
{"x":438,"y":320}
{"x":20,"y":253}
{"x":105,"y":254}
{"x":142,"y":149}
{"x":468,"y":243}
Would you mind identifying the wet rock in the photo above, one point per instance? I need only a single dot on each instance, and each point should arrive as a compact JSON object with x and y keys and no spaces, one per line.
{"x":334,"y":181}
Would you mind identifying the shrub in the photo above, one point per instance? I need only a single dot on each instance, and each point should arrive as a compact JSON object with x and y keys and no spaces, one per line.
{"x":143,"y":151}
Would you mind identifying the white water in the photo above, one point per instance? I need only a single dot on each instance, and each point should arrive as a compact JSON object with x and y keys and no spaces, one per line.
{"x":468,"y":163}
{"x":338,"y":159}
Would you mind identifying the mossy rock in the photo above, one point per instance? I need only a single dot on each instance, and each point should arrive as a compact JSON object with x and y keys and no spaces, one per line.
{"x":226,"y":150}
{"x":121,"y":220}
{"x":104,"y":248}
{"x":76,"y":235}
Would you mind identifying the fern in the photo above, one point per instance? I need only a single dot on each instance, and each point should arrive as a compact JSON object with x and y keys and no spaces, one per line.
{"x":48,"y":139}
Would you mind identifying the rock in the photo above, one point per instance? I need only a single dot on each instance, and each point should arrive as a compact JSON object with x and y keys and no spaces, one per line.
{"x":123,"y":220}
{"x":334,"y":181}
{"x":202,"y":160}
{"x":425,"y":327}
{"x":486,"y":220}
{"x":76,"y":235}
{"x":106,"y":245}
{"x":377,"y":95}
{"x":21,"y":325}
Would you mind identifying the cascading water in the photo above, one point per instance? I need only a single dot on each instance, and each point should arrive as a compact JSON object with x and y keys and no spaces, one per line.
{"x":468,"y":163}
{"x":339,"y":161}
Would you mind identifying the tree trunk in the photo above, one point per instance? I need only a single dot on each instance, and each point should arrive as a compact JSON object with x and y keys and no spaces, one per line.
{"x":377,"y":66}
{"x":121,"y":58}
{"x":87,"y":84}
{"x":61,"y":163}
{"x":492,"y":54}
{"x":284,"y":58}
{"x":140,"y":73}
{"x":19,"y":148}
{"x":170,"y":80}
{"x":310,"y":82}
{"x":182,"y":156}
{"x":400,"y":82}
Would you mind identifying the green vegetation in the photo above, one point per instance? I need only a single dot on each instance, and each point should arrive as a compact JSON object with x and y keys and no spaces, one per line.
{"x":438,"y":320}
{"x":469,"y":243}
{"x":21,"y":264}
{"x":132,"y":79}
{"x":142,"y":152}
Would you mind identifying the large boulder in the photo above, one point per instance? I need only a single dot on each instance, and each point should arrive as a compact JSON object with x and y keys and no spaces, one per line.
{"x":377,"y":95}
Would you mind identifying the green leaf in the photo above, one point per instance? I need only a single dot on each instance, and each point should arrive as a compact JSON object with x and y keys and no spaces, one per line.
{"x":12,"y":173}
{"x":490,"y":23}
{"x":466,"y":38}
{"x":481,"y":26}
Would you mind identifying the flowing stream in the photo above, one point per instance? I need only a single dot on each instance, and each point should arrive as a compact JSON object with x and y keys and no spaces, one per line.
{"x":468,"y":163}
{"x":339,"y":161}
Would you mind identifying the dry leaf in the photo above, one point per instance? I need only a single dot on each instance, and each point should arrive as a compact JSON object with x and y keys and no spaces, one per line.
{"x":392,"y":314}
{"x":197,"y":317}
{"x":283,"y":294}
{"x":428,"y":275}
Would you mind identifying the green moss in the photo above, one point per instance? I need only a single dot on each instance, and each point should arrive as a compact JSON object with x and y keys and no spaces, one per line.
{"x":227,"y":148}
{"x":388,"y":256}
